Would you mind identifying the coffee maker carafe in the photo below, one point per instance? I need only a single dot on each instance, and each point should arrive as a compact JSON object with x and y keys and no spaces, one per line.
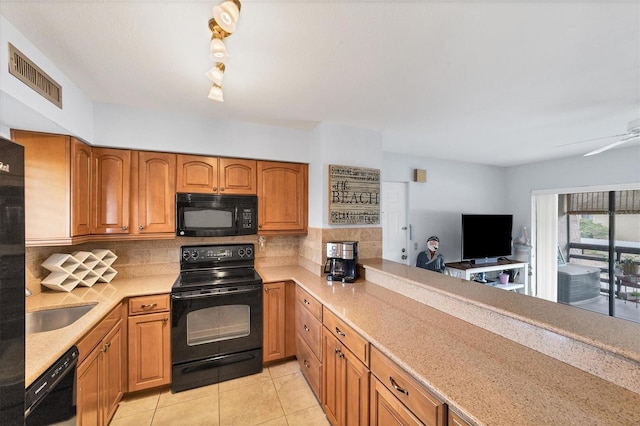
{"x":342,"y":261}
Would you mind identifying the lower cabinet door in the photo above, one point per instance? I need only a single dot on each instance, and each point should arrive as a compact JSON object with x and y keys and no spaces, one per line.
{"x":114,"y":367}
{"x":273,"y":308}
{"x":149,"y":351}
{"x":88,"y":389}
{"x":345,"y":384}
{"x":386,"y":409}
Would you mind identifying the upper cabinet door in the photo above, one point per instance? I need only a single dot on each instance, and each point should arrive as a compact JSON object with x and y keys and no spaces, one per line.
{"x":80,"y":188}
{"x":237,"y":176}
{"x":156,"y":195}
{"x":46,"y":187}
{"x":110,"y":191}
{"x":196,"y":173}
{"x":282,"y":198}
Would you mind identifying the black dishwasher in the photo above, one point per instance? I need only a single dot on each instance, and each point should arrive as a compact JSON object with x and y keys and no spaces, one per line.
{"x":51,"y":398}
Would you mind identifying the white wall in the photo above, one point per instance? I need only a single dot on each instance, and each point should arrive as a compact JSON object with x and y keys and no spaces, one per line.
{"x":343,"y":145}
{"x":614,"y":167}
{"x":125,"y":127}
{"x":76,"y":115}
{"x":452,"y":188}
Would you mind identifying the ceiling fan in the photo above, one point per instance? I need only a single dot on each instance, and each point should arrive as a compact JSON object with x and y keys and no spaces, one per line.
{"x":633,"y":132}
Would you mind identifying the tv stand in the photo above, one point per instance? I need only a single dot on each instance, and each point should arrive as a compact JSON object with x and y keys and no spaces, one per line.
{"x":466,"y":269}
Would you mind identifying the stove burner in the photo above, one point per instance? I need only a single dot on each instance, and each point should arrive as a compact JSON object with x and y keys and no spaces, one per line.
{"x":217,"y":265}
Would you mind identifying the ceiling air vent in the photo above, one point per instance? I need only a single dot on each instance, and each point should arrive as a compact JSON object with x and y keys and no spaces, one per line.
{"x":30,"y":74}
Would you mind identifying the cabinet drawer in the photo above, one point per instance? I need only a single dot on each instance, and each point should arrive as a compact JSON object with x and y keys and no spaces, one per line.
{"x":407,"y":389}
{"x":309,"y":329}
{"x":148,"y":304}
{"x":92,"y":338}
{"x":309,"y":302}
{"x":456,"y":420}
{"x":310,"y":366}
{"x":356,"y":343}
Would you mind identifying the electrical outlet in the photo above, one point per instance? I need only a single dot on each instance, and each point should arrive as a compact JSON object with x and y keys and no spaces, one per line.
{"x":415,"y":246}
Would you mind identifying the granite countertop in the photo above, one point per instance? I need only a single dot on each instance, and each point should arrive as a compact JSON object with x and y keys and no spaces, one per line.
{"x":488,"y":378}
{"x":42,"y":349}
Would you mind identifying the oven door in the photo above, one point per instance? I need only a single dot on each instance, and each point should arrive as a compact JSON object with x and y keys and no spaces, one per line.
{"x":217,"y":321}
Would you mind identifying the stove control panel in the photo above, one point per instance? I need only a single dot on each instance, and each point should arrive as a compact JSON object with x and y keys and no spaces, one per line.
{"x":219,"y":253}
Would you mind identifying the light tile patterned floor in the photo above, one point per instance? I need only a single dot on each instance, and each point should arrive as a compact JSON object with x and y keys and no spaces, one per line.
{"x":277,"y":396}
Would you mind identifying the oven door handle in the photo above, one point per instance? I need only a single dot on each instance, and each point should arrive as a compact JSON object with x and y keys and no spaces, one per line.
{"x":204,"y":295}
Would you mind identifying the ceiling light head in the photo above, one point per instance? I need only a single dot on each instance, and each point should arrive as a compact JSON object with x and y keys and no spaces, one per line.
{"x":226,"y":14}
{"x":217,"y":50}
{"x":215,"y":94}
{"x":216,"y":73}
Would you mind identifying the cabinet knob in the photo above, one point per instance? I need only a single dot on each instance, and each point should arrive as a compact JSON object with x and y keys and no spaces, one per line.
{"x":164,"y":320}
{"x":266,"y":290}
{"x":306,"y":364}
{"x":140,"y":228}
{"x":306,"y":328}
{"x":222,"y":189}
{"x":215,"y":188}
{"x":125,"y":227}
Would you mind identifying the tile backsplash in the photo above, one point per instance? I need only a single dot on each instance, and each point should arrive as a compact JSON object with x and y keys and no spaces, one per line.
{"x":154,"y":257}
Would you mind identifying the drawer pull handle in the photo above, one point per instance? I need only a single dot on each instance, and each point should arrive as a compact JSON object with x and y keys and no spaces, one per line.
{"x":306,"y":302}
{"x":398,"y":388}
{"x":306,"y":364}
{"x":148,"y":305}
{"x":306,"y":328}
{"x":340,"y":333}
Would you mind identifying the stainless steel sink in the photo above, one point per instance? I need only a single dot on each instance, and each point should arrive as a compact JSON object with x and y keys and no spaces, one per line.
{"x":52,"y":319}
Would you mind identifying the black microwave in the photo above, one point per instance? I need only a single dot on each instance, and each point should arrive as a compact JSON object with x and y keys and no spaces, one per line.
{"x":210,"y":215}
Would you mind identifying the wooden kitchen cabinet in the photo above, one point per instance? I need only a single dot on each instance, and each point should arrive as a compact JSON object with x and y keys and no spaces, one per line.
{"x":110,"y":197}
{"x":309,"y":339}
{"x":153,"y":186}
{"x":57,"y":188}
{"x":133,"y":193}
{"x":212,"y":175}
{"x":345,"y":384}
{"x":273,"y":304}
{"x":405,"y":398}
{"x":456,"y":420}
{"x":80,"y":188}
{"x":100,"y":374}
{"x":278,"y":304}
{"x":149,"y":342}
{"x":282,"y":198}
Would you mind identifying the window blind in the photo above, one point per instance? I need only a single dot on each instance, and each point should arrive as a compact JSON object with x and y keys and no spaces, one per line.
{"x":627,"y":202}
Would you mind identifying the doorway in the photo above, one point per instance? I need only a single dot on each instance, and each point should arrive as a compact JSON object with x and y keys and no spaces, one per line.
{"x":393,"y":209}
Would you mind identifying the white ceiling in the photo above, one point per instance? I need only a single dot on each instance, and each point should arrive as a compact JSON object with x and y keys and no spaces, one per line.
{"x":495,"y":82}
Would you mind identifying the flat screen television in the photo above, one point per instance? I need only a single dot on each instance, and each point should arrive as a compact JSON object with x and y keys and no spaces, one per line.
{"x":486,"y":237}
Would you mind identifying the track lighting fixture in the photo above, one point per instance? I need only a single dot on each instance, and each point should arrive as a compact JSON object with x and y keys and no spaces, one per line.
{"x":215,"y":94}
{"x":222,"y":25}
{"x":217,"y":50}
{"x":226,"y":14}
{"x":216,"y":73}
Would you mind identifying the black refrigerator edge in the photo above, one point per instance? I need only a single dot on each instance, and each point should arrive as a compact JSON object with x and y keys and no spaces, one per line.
{"x":12,"y":283}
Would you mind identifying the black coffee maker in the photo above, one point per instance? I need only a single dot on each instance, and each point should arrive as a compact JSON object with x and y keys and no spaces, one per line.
{"x":342,"y":261}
